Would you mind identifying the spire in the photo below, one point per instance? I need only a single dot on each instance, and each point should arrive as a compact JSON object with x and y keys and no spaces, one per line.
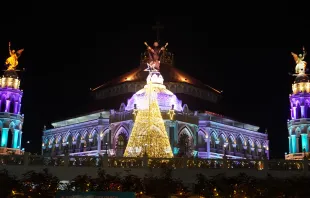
{"x":157,"y":27}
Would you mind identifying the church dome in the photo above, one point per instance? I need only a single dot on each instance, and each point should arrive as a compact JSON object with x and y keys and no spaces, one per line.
{"x":165,"y":98}
{"x":302,"y":78}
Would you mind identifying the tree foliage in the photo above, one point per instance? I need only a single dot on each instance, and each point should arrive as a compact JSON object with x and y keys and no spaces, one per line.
{"x":8,"y":184}
{"x":43,"y":184}
{"x":39,"y":184}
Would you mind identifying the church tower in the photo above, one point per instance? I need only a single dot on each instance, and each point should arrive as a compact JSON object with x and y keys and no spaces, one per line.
{"x":11,"y":120}
{"x":299,"y":122}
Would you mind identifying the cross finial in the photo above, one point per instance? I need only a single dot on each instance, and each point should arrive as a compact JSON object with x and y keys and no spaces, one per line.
{"x":157,"y":27}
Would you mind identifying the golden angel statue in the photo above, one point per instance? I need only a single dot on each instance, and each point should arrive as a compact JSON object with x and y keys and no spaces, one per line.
{"x":300,"y":63}
{"x":154,"y":56}
{"x":12,"y":61}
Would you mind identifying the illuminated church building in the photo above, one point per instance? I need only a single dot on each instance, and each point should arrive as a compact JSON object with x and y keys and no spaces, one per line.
{"x":197,"y":133}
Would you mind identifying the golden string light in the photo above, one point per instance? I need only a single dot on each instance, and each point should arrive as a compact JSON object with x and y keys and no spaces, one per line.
{"x":149,"y":134}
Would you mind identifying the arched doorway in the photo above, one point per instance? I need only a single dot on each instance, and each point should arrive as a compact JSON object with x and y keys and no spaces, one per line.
{"x":121,"y":144}
{"x":201,"y":143}
{"x":186,"y":142}
{"x":239,"y":146}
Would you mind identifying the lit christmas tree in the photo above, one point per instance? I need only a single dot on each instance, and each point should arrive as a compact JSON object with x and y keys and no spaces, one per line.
{"x":149,"y":135}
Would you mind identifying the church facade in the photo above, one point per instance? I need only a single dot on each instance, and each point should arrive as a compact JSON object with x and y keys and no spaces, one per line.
{"x":197,"y":133}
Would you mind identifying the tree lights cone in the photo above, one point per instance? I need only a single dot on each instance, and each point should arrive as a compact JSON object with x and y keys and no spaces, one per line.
{"x":149,"y":136}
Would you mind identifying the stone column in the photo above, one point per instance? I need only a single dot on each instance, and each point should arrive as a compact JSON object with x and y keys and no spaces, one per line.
{"x":293,"y":143}
{"x":267,"y":153}
{"x":65,"y":148}
{"x":302,"y":110}
{"x":207,"y":140}
{"x":234,"y":148}
{"x":252,"y":152}
{"x":289,"y":145}
{"x":15,"y":136}
{"x":99,"y":142}
{"x":259,"y":152}
{"x":7,"y":105}
{"x":217,"y":145}
{"x":245,"y":150}
{"x":16,"y":107}
{"x":225,"y":148}
{"x":294,"y":112}
{"x":304,"y":142}
{"x":73,"y":146}
{"x":297,"y":144}
{"x":19,"y":107}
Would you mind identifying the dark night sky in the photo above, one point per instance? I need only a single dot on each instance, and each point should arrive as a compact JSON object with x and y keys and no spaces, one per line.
{"x":67,"y":52}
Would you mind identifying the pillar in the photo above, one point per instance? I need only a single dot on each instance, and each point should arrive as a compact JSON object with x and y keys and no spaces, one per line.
{"x":207,"y":140}
{"x":234,"y":148}
{"x":4,"y":137}
{"x":216,"y":145}
{"x":289,"y":145}
{"x":20,"y":140}
{"x":302,"y":110}
{"x":259,"y":152}
{"x":294,"y":112}
{"x":267,"y":153}
{"x":293,"y":143}
{"x":99,"y":141}
{"x":252,"y":152}
{"x":297,"y":145}
{"x":304,"y":142}
{"x":7,"y":105}
{"x":225,"y":148}
{"x":15,"y":136}
{"x":109,"y":138}
{"x":245,"y":148}
{"x":19,"y":106}
{"x":16,"y":108}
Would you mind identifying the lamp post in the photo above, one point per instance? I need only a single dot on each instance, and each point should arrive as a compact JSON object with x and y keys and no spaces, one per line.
{"x":225,"y":145}
{"x":67,"y":148}
{"x":106,"y":148}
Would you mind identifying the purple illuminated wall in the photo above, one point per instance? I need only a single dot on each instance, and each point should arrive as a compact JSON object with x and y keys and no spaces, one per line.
{"x":10,"y":100}
{"x":165,"y":100}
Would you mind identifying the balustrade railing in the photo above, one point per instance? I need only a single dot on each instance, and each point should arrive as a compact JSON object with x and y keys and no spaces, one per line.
{"x":144,"y":162}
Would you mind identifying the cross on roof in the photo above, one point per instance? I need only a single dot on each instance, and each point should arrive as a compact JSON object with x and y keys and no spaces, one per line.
{"x":157,"y":27}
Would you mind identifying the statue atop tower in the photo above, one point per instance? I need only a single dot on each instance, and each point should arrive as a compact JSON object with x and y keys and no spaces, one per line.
{"x":11,"y":118}
{"x":12,"y":61}
{"x":154,"y":55}
{"x":300,"y":67}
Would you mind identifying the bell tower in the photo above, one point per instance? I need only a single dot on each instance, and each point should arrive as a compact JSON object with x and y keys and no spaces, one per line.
{"x":11,"y":119}
{"x":299,"y":122}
